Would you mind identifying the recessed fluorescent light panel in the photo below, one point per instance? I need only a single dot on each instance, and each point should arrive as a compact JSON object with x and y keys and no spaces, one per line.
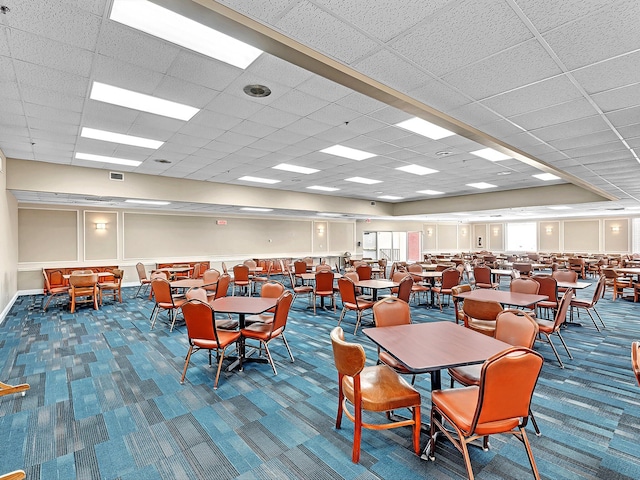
{"x":322,"y":214}
{"x":258,"y":180}
{"x":255,"y":209}
{"x":430,"y":192}
{"x":346,"y":152}
{"x":101,"y":158}
{"x":547,"y":177}
{"x":417,"y":170}
{"x":139,"y":101}
{"x":366,"y":181}
{"x":172,"y":27}
{"x":147,"y":202}
{"x":481,"y":185}
{"x":559,"y":207}
{"x":390,"y":197}
{"x":120,"y":138}
{"x":295,"y":168}
{"x":424,"y":128}
{"x":323,"y":189}
{"x":491,"y":154}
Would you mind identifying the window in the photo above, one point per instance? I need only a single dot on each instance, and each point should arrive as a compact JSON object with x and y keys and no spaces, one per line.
{"x":522,"y":237}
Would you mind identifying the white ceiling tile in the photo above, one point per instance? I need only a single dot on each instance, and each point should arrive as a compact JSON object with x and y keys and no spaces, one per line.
{"x":209,"y":73}
{"x":287,"y":73}
{"x":259,"y":9}
{"x":231,"y":105}
{"x":628,"y":131}
{"x":607,"y":33}
{"x":217,"y":120}
{"x":180,"y":91}
{"x":612,"y":73}
{"x":306,"y":126}
{"x":574,"y":128}
{"x":53,"y":126}
{"x":52,"y":99}
{"x":473,"y":114}
{"x":534,"y":97}
{"x":361,"y":103}
{"x":148,"y":120}
{"x":554,"y":114}
{"x":298,"y":103}
{"x":391,"y":70}
{"x":125,"y":75}
{"x":333,"y":114}
{"x":605,"y":136}
{"x":254,"y":129}
{"x":51,"y":79}
{"x":622,"y":97}
{"x":627,"y":116}
{"x":548,"y":15}
{"x":105,"y":116}
{"x":322,"y":88}
{"x":328,"y":34}
{"x":460,"y":35}
{"x":52,"y":114}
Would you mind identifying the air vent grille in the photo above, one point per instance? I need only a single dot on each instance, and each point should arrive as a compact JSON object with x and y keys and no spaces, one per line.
{"x":118,"y":176}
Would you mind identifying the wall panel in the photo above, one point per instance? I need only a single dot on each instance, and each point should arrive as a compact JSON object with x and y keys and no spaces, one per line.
{"x":47,"y":235}
{"x":581,"y":236}
{"x":100,"y":244}
{"x":341,"y":237}
{"x":549,"y":236}
{"x":447,"y":238}
{"x":616,"y":235}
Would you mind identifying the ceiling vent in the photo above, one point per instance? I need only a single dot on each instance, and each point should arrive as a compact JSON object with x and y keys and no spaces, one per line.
{"x":118,"y":176}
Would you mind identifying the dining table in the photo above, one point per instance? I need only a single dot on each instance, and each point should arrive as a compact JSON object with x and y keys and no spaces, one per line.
{"x":504,"y":297}
{"x":433,"y":346}
{"x":243,"y":306}
{"x":430,"y":277}
{"x":376,"y":284}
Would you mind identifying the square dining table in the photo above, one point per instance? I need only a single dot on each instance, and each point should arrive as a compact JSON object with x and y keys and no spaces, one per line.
{"x":503,"y":297}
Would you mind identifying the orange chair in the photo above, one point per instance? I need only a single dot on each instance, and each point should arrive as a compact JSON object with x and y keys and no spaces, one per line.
{"x":589,"y":305}
{"x":142,"y":276}
{"x":635,"y":359}
{"x":549,"y":327}
{"x":458,"y":289}
{"x":204,"y":334}
{"x":271,"y":289}
{"x":376,"y":389}
{"x":115,"y":287}
{"x":405,"y":287}
{"x":386,"y":313}
{"x":364,"y":271}
{"x":482,"y":275}
{"x":324,"y":288}
{"x":548,"y":287}
{"x":480,"y":315}
{"x":514,"y":327}
{"x":199,"y":293}
{"x":241,"y":279}
{"x":577,"y":265}
{"x":84,"y":285}
{"x":568,"y":276}
{"x":266,"y":332}
{"x":499,"y":404}
{"x":165,"y":300}
{"x":52,"y":291}
{"x":15,"y":475}
{"x":300,"y":289}
{"x":450,"y":278}
{"x":210,"y":279}
{"x":351,"y":301}
{"x":524,"y":285}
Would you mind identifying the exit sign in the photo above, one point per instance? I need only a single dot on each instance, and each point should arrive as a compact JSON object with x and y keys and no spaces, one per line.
{"x":221,"y":222}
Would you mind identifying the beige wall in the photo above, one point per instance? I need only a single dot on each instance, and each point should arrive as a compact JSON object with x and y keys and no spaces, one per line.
{"x":8,"y":241}
{"x":549,"y":236}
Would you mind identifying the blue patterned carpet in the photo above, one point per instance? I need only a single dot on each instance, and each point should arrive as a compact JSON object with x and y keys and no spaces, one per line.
{"x":106,"y":402}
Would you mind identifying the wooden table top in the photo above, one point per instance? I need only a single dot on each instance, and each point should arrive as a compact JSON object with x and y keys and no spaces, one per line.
{"x":100,"y":274}
{"x":632,"y":271}
{"x":503,"y":297}
{"x":243,"y":305}
{"x":574,"y":285}
{"x":312,"y":276}
{"x":173,"y":269}
{"x":376,"y":283}
{"x":427,"y":274}
{"x":425,"y":347}
{"x":500,"y":271}
{"x":187,"y":283}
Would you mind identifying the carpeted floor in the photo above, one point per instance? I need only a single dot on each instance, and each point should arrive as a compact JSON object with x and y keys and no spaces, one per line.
{"x":106,"y":402}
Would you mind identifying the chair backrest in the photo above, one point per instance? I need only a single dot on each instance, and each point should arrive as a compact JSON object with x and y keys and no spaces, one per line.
{"x":398,"y":276}
{"x":142,"y":273}
{"x":272,"y":289}
{"x":210,"y":277}
{"x":524,"y":285}
{"x":635,"y":359}
{"x":197,"y":270}
{"x":599,"y":290}
{"x":250,"y":263}
{"x":610,"y":273}
{"x":507,"y":381}
{"x":347,"y":290}
{"x":299,"y":267}
{"x":308,"y":260}
{"x":482,"y":274}
{"x":82,"y":272}
{"x":404,"y":288}
{"x":197,"y":293}
{"x":158,"y":275}
{"x":224,"y":268}
{"x":47,"y":285}
{"x":324,"y":281}
{"x":364,"y":271}
{"x":82,"y":280}
{"x":481,"y":309}
{"x":391,"y":311}
{"x":414,"y":268}
{"x":281,"y":313}
{"x":161,"y":290}
{"x":450,"y":278}
{"x":565,"y":276}
{"x":349,"y":358}
{"x":460,"y":289}
{"x":353,"y":276}
{"x":516,"y":328}
{"x":240,"y":273}
{"x":223,"y":286}
{"x":200,"y":320}
{"x":118,"y":274}
{"x":548,"y":287}
{"x":523,"y":267}
{"x":563,"y":308}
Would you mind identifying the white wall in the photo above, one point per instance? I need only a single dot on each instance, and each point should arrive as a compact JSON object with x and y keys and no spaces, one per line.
{"x":8,"y":240}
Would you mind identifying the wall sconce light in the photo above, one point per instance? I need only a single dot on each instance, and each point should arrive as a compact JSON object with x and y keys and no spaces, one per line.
{"x":464,"y":232}
{"x":495,"y":232}
{"x":429,"y":232}
{"x":548,"y":229}
{"x":320,"y":229}
{"x":101,"y":226}
{"x":615,"y":229}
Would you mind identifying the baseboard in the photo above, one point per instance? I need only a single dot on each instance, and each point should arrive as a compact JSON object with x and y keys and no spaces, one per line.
{"x":6,"y":310}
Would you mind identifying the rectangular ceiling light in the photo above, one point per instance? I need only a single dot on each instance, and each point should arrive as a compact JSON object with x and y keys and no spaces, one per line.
{"x":323,"y":214}
{"x":491,"y":154}
{"x":139,"y":101}
{"x":258,"y":180}
{"x":120,"y":138}
{"x":390,"y":197}
{"x":147,"y":202}
{"x":547,"y":177}
{"x":424,"y":128}
{"x":295,"y":168}
{"x":323,"y":189}
{"x":430,"y":192}
{"x":417,"y":170}
{"x":481,"y":185}
{"x":172,"y":27}
{"x":347,"y":152}
{"x":366,"y":181}
{"x":256,"y":209}
{"x":101,"y":158}
{"x":559,"y":207}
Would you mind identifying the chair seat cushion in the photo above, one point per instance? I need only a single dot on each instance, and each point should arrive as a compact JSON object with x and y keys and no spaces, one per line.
{"x":261,"y":318}
{"x":225,"y":336}
{"x":260,"y":331}
{"x":483,"y":326}
{"x":467,"y":375}
{"x":487,"y":285}
{"x":387,"y":359}
{"x":382,"y":389}
{"x":545,"y":326}
{"x":459,"y":405}
{"x":580,"y":303}
{"x":547,"y":304}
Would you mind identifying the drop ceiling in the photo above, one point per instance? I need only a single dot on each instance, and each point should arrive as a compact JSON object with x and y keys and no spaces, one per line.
{"x":557,"y":81}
